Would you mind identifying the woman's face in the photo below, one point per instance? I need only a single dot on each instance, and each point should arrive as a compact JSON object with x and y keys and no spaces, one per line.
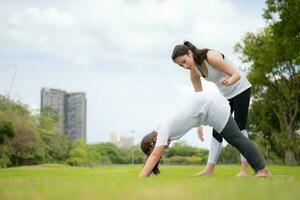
{"x":186,"y":61}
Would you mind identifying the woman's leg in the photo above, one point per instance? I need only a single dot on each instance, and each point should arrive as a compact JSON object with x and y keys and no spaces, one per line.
{"x":240,"y":105}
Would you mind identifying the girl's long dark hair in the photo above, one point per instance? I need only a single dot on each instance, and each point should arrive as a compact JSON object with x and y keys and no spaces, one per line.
{"x":147,"y":146}
{"x":199,"y":55}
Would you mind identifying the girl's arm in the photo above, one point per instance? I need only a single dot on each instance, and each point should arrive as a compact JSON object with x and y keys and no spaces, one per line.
{"x":215,"y":59}
{"x":196,"y":81}
{"x":152,"y":160}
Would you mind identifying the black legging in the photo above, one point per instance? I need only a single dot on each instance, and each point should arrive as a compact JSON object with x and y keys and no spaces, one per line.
{"x":239,"y":105}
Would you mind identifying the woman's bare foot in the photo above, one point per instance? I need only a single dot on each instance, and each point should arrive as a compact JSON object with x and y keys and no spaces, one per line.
{"x":244,"y":169}
{"x":209,"y":170}
{"x":263,"y":173}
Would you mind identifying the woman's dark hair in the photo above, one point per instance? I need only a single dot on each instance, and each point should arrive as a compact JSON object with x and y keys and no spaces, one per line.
{"x":147,"y":146}
{"x":198,"y":54}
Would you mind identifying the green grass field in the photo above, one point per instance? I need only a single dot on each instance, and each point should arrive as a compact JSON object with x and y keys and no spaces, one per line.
{"x":122,"y":182}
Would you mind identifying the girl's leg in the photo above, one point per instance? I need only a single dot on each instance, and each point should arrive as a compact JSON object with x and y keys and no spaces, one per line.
{"x":214,"y":152}
{"x":233,"y":136}
{"x":215,"y":148}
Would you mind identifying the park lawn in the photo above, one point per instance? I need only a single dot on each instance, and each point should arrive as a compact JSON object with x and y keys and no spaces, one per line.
{"x":121,"y":182}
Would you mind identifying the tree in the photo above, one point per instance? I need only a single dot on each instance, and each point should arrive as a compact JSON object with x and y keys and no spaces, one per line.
{"x":265,"y":131}
{"x":275,"y":56}
{"x":6,"y":131}
{"x":25,"y":147}
{"x":283,"y":17}
{"x":78,"y":153}
{"x":181,"y":153}
{"x":229,"y":155}
{"x":56,"y":144}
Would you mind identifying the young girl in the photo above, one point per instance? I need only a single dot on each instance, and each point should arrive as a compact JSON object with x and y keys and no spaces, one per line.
{"x":205,"y":108}
{"x":231,"y":82}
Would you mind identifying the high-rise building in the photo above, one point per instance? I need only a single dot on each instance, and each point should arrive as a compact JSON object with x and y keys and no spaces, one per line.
{"x":55,"y":99}
{"x":71,"y":108}
{"x":76,"y":115}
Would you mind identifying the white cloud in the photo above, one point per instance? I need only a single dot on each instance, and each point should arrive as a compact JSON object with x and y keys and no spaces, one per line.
{"x":124,"y":29}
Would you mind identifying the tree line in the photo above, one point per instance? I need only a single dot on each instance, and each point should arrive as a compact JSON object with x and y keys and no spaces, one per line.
{"x":28,"y":139}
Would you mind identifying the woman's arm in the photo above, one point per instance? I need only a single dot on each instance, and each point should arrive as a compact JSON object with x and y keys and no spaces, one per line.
{"x":152,"y":160}
{"x":215,"y":59}
{"x":196,"y":81}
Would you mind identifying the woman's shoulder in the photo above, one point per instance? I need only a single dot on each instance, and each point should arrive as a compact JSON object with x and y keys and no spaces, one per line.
{"x":215,"y":58}
{"x":212,"y":55}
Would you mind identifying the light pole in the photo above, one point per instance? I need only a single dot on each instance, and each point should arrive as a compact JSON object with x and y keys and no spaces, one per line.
{"x":132,"y":158}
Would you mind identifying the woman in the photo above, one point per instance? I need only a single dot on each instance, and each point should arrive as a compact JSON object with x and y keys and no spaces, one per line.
{"x":205,"y":108}
{"x":231,"y":82}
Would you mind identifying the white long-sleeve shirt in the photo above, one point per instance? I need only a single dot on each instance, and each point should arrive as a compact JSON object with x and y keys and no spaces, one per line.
{"x":206,"y":108}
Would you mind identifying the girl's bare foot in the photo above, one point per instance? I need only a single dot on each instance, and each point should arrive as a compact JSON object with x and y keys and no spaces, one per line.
{"x":204,"y":173}
{"x":263,"y":173}
{"x":209,"y":170}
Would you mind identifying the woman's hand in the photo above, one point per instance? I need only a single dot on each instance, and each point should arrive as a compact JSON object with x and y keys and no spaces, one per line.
{"x":200,"y":133}
{"x":230,"y":80}
{"x":226,"y":81}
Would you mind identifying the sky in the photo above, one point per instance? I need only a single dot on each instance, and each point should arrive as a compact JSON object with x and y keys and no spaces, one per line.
{"x":119,"y":53}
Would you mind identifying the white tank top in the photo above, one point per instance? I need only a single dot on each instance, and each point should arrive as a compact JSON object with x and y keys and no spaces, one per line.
{"x":214,"y":75}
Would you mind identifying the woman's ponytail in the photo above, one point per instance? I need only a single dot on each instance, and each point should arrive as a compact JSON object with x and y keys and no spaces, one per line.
{"x":199,"y":55}
{"x":190,"y":46}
